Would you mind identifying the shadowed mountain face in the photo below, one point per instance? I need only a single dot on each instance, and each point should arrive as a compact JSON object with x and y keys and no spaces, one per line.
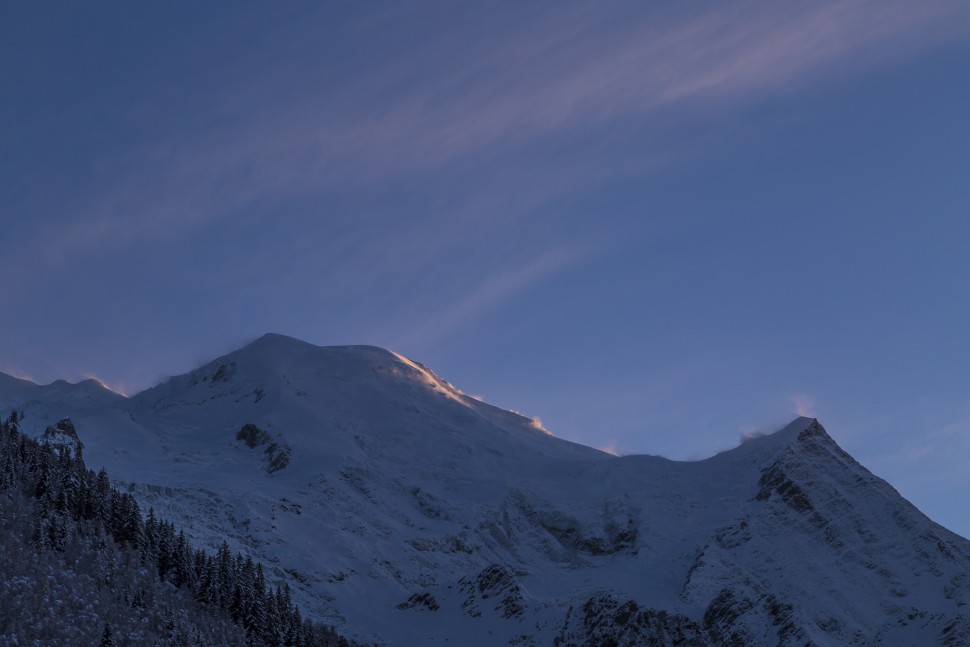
{"x":403,"y":511}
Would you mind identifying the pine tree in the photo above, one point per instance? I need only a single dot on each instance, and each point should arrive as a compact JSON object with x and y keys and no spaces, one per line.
{"x":182,"y":571}
{"x":107,"y":638}
{"x":102,"y":497}
{"x":150,"y":550}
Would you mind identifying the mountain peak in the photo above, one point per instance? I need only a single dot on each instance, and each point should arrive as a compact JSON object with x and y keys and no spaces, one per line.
{"x":279,"y":341}
{"x":409,"y":513}
{"x":808,"y":436}
{"x":806,"y":432}
{"x":763,"y":446}
{"x":284,"y":347}
{"x":275,"y":340}
{"x":800,"y":425}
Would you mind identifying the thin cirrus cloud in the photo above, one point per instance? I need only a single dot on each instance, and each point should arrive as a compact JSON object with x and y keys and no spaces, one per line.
{"x":554,"y":77}
{"x":573,"y":79}
{"x":497,"y":287}
{"x":551,"y":76}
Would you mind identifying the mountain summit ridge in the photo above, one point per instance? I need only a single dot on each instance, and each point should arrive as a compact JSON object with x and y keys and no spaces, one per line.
{"x":403,"y":511}
{"x":273,"y":351}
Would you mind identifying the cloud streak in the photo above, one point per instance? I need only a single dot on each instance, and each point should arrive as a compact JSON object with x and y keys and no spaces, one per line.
{"x":572,"y":78}
{"x":494,"y":289}
{"x":462,"y":98}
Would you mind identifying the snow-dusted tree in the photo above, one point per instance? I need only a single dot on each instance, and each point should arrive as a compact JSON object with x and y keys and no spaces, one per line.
{"x":107,"y":637}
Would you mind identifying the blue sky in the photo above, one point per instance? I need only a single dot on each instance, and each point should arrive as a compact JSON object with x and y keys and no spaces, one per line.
{"x":656,"y":226}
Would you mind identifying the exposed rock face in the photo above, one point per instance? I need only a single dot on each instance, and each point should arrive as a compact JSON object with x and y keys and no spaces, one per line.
{"x":422,"y":601}
{"x":252,"y":436}
{"x":277,"y":452}
{"x":495,"y":587}
{"x":64,"y":433}
{"x":606,"y":539}
{"x":603,"y":620}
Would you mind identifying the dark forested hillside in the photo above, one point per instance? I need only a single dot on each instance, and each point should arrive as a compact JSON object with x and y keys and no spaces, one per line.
{"x":81,"y":565}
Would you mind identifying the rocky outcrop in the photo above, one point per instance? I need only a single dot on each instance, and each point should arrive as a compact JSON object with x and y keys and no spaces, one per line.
{"x":64,"y":434}
{"x":495,"y":588}
{"x":277,"y":452}
{"x":603,"y":620}
{"x":420,"y":601}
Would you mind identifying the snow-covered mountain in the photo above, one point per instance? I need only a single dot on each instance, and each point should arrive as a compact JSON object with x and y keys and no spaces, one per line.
{"x":404,"y":511}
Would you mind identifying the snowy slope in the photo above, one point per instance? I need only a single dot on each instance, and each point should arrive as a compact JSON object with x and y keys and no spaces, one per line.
{"x":404,"y":511}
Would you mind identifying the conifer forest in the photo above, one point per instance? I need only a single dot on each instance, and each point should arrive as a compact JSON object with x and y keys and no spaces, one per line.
{"x":80,"y":564}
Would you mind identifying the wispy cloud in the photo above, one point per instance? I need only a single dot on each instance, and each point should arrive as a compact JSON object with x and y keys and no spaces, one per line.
{"x":466,"y":96}
{"x":751,"y":433}
{"x":497,"y":287}
{"x":610,"y":448}
{"x":569,"y":77}
{"x":803,"y":404}
{"x":569,"y":71}
{"x":14,"y":371}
